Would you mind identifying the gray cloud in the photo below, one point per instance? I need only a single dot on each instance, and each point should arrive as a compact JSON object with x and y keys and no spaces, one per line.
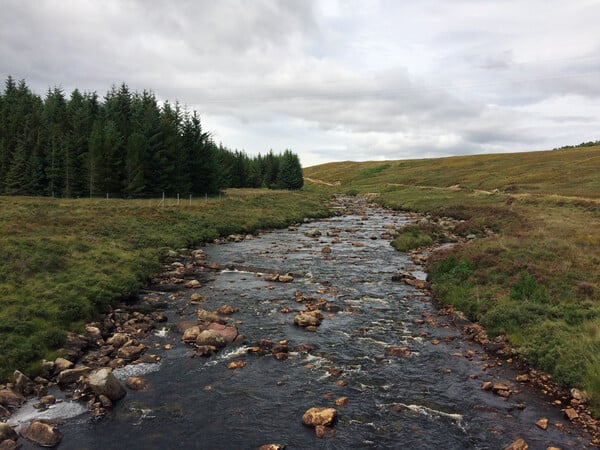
{"x":332,"y":80}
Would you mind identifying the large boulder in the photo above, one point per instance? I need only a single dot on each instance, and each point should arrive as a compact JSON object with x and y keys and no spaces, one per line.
{"x":103,"y":382}
{"x":319,"y":416}
{"x":210,"y":337}
{"x":7,"y":432}
{"x":42,"y":434}
{"x":229,"y":334}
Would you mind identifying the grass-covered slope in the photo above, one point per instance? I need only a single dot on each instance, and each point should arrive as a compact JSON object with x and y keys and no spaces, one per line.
{"x":61,"y":261}
{"x":534,"y":274}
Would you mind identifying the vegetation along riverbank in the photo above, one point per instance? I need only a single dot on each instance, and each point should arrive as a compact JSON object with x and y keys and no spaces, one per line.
{"x":64,"y":260}
{"x":532,"y":273}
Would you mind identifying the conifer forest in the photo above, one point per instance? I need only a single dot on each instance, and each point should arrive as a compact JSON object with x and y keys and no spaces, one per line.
{"x":127,"y":145}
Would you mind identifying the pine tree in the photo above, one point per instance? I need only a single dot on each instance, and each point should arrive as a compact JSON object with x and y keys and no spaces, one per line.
{"x":16,"y":182}
{"x":54,"y":125}
{"x":94,"y":158}
{"x":110,"y":168}
{"x":135,"y":164}
{"x":290,"y":172}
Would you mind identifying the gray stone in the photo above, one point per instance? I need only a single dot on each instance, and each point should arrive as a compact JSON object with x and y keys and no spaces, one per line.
{"x":103,"y":382}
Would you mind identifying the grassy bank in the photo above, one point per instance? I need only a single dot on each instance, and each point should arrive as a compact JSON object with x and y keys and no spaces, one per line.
{"x":62,"y":261}
{"x":533,"y":276}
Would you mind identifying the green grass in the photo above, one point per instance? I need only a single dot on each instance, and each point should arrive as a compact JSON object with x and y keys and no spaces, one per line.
{"x":533,"y":275}
{"x":63,"y":261}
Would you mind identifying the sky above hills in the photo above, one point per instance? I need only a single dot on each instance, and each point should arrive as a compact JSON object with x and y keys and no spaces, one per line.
{"x":331,"y":80}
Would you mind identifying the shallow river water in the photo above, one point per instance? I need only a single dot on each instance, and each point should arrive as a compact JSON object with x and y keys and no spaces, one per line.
{"x":431,"y":398}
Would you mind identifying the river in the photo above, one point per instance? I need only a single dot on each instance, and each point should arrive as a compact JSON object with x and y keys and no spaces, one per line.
{"x":428,"y":396}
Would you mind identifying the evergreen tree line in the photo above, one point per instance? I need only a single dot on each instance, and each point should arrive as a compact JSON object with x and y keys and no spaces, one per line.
{"x":126,"y":144}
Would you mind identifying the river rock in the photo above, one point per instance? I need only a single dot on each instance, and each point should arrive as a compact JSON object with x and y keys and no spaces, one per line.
{"x":105,"y":401}
{"x":131,"y":352}
{"x":208,"y":316}
{"x":136,"y":383}
{"x":226,"y":310}
{"x":519,"y":444}
{"x":205,"y":350}
{"x":191,"y":333}
{"x":571,"y":414}
{"x":118,"y":340}
{"x":399,"y":351}
{"x":236,"y":365}
{"x":61,"y":364}
{"x":48,"y":400}
{"x":578,"y":395}
{"x":103,"y":382}
{"x":47,"y":368}
{"x":285,"y":278}
{"x":195,"y":297}
{"x":42,"y":434}
{"x":7,"y":432}
{"x":193,"y":284}
{"x":229,"y":334}
{"x":309,"y":318}
{"x":4,"y":412}
{"x":319,"y":416}
{"x":210,"y":337}
{"x":9,"y":444}
{"x":312,"y":233}
{"x":23,"y":384}
{"x":542,"y":423}
{"x":70,"y":376}
{"x":93,"y":332}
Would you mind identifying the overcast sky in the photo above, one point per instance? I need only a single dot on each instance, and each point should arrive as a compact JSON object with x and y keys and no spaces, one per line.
{"x":331,"y":80}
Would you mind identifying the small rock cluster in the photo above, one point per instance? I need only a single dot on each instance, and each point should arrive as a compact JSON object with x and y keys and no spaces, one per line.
{"x":312,"y":314}
{"x":84,"y":373}
{"x":210,"y":332}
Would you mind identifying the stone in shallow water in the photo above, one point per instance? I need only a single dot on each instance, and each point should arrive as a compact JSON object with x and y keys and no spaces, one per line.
{"x":319,"y":416}
{"x":519,"y":444}
{"x":42,"y":434}
{"x":136,"y":383}
{"x":191,"y":333}
{"x":103,"y":382}
{"x":229,"y":334}
{"x":210,"y":337}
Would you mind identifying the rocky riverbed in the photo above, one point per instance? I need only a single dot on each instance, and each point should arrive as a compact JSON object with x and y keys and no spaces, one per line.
{"x":319,"y":336}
